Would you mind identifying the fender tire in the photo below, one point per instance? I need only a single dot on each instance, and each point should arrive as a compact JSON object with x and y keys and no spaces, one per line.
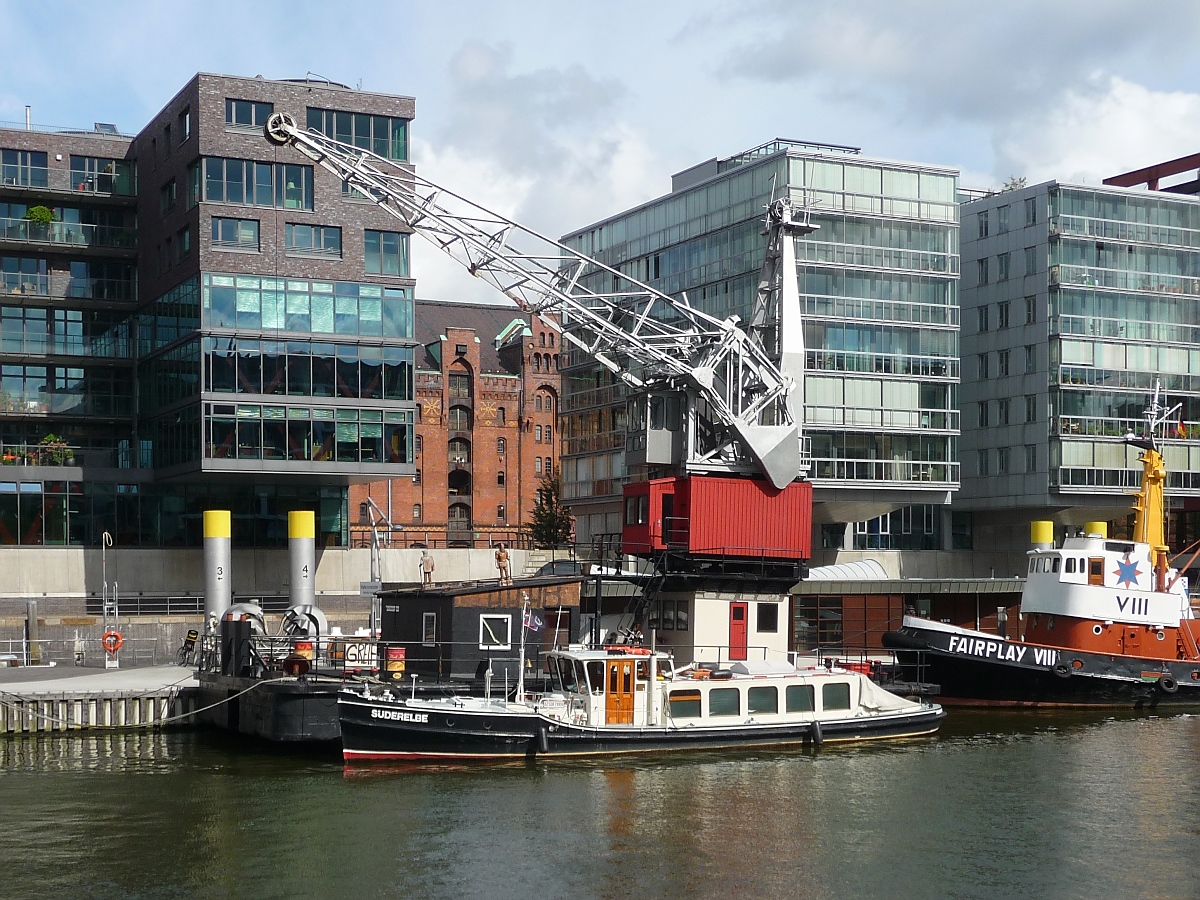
{"x":1167,"y":683}
{"x":1062,"y":670}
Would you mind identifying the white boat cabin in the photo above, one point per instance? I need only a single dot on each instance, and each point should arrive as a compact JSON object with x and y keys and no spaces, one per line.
{"x":599,"y":688}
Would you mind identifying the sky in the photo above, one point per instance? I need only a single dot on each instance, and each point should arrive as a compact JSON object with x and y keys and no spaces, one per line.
{"x":559,"y":114}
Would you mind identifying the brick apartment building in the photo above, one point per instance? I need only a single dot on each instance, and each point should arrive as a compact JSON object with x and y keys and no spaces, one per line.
{"x":487,"y":390}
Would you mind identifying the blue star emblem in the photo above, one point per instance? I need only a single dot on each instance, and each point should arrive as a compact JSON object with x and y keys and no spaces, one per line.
{"x":1127,"y":573}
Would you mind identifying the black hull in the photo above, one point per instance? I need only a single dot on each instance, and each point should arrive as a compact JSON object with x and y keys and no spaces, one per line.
{"x":458,"y":735}
{"x":975,"y":672}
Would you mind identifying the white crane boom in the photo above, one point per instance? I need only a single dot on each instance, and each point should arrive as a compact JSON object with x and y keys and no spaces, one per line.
{"x":650,"y":340}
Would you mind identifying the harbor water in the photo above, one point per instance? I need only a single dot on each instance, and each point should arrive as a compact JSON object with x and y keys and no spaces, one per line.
{"x":998,"y":805}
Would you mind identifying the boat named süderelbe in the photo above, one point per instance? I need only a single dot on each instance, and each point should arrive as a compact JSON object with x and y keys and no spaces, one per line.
{"x":626,"y":700}
{"x":1105,"y":622}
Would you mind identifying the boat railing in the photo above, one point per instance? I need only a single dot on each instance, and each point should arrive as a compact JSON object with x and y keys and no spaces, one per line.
{"x":883,"y":666}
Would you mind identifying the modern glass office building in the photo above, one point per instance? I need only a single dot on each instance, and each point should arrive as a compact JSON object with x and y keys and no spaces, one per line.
{"x":1077,"y":299}
{"x":194,"y":318}
{"x":878,"y":282}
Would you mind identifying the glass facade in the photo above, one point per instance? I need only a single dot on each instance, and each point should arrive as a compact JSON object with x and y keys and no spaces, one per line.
{"x":318,"y":307}
{"x":878,"y":284}
{"x":1109,"y":283}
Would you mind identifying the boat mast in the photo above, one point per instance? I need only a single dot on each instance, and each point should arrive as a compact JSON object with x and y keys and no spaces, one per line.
{"x":1149,"y":507}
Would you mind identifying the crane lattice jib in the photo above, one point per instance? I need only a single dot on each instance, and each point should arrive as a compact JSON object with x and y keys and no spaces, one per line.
{"x":645,"y":337}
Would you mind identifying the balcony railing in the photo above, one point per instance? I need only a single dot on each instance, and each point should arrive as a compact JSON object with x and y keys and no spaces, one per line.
{"x":71,"y":233}
{"x":40,"y":402}
{"x":109,"y":346}
{"x":896,"y":471}
{"x":932,"y":419}
{"x":19,"y":283}
{"x":120,"y":184}
{"x":50,"y":454}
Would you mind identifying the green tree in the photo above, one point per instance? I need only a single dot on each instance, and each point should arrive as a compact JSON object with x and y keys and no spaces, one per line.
{"x":551,"y":525}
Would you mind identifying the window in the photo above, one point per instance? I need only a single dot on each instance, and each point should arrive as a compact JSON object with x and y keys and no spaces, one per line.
{"x":1031,"y":211}
{"x":683,"y":704}
{"x":101,"y":175}
{"x":982,"y":364}
{"x":799,"y":698}
{"x":1030,"y":457}
{"x":1030,"y":407}
{"x":500,"y":477}
{"x":537,"y":432}
{"x":416,"y":476}
{"x":835,"y":696}
{"x":1002,"y":461}
{"x":166,"y":197}
{"x":416,"y":512}
{"x":983,"y":464}
{"x":257,"y":183}
{"x":983,"y":223}
{"x":166,"y":140}
{"x":1002,"y":220}
{"x":537,"y":465}
{"x":637,"y":510}
{"x":235,"y":234}
{"x":460,"y":386}
{"x":983,"y":318}
{"x":500,"y":416}
{"x":460,"y":349}
{"x":183,"y":243}
{"x":500,"y":513}
{"x":460,"y":418}
{"x":725,"y":702}
{"x":418,"y":444}
{"x":549,"y":434}
{"x":24,"y":167}
{"x":1030,"y":358}
{"x":184,"y":125}
{"x":1030,"y":310}
{"x":382,"y":135}
{"x":1002,"y":314}
{"x":1003,"y":409}
{"x":1002,"y":357}
{"x":386,"y":253}
{"x":247,"y":113}
{"x":537,"y":403}
{"x":983,"y":414}
{"x":1030,"y":260}
{"x":495,"y":632}
{"x":983,"y":271}
{"x":1002,"y":262}
{"x":501,"y":446}
{"x":768,"y":618}
{"x":762,"y":701}
{"x":313,"y":240}
{"x":549,"y":467}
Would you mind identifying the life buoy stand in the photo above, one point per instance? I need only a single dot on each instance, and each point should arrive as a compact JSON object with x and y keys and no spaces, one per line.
{"x":1167,"y":683}
{"x":1062,"y":670}
{"x":112,"y":641}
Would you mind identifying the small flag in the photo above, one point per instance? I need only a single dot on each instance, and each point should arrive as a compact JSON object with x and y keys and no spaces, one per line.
{"x":532,"y":622}
{"x":1181,"y":430}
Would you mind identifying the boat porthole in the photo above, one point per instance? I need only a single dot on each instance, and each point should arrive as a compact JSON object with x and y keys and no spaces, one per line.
{"x":1097,"y":629}
{"x":1162,"y":635}
{"x":449,"y":722}
{"x":1077,"y":664}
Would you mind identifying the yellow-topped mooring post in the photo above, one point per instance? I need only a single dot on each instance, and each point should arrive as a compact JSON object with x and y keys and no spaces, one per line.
{"x":302,"y":540}
{"x":218,"y":533}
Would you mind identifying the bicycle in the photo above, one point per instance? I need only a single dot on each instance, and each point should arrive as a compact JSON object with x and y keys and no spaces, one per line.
{"x":187,"y":649}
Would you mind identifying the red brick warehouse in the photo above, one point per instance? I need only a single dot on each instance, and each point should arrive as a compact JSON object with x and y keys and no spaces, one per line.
{"x":487,"y":392}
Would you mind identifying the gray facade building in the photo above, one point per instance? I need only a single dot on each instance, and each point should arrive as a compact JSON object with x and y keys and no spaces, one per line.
{"x":1076,"y":299}
{"x":878,"y":285}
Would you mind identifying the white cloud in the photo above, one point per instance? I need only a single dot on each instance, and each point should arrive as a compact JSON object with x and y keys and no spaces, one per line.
{"x":1112,"y":126}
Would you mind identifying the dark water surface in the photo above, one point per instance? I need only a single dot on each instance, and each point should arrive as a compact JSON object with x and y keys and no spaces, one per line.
{"x":1015,"y":805}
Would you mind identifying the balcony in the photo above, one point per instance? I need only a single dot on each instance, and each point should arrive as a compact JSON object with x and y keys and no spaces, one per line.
{"x":95,"y":184}
{"x":20,"y":283}
{"x":71,"y":234}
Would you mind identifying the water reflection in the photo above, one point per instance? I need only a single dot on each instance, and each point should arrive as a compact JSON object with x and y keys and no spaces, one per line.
{"x":998,"y":806}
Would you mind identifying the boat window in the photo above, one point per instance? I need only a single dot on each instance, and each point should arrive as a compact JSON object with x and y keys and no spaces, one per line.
{"x":724,"y":702}
{"x":799,"y":698}
{"x":835,"y":695}
{"x":595,"y":675}
{"x":1070,"y":564}
{"x":1032,"y":564}
{"x":1096,"y":570}
{"x":684,"y":704}
{"x":643,"y":669}
{"x":762,"y":700}
{"x":1056,"y":564}
{"x":556,"y":682}
{"x":567,"y":670}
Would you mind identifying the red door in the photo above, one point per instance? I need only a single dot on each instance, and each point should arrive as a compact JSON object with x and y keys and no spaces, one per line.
{"x":737,"y":630}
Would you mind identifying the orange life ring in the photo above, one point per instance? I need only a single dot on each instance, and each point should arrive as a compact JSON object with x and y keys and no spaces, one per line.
{"x":112,"y":641}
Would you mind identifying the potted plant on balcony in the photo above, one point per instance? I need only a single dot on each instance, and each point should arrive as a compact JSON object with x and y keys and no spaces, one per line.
{"x":53,"y":451}
{"x":40,"y":219}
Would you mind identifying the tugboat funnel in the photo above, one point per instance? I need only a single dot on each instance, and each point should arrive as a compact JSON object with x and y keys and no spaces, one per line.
{"x":1096,"y":529}
{"x":1041,"y":535}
